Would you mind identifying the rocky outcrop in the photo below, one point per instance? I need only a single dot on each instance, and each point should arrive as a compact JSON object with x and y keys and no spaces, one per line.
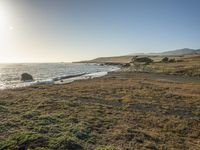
{"x":143,"y":60}
{"x":126,"y":65}
{"x":167,"y":60}
{"x":26,"y":77}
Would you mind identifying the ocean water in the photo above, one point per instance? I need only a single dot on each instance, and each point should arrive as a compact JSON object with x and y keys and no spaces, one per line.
{"x":46,"y":73}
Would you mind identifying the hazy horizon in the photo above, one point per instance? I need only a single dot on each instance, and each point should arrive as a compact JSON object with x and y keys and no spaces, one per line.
{"x":74,"y":30}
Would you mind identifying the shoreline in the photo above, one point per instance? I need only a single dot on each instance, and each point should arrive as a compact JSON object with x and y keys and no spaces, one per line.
{"x":89,"y":75}
{"x":122,"y":109}
{"x":82,"y":77}
{"x":118,"y":68}
{"x":160,"y":77}
{"x":65,"y":78}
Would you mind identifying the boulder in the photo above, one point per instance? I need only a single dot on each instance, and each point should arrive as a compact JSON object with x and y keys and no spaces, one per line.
{"x":26,"y":77}
{"x":172,"y":60}
{"x":165,"y":59}
{"x":144,"y":60}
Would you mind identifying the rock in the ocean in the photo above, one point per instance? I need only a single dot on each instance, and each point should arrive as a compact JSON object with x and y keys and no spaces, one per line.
{"x":26,"y":77}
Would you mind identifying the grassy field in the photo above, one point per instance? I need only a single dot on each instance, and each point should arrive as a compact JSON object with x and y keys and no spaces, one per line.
{"x":186,"y":65}
{"x":120,"y":111}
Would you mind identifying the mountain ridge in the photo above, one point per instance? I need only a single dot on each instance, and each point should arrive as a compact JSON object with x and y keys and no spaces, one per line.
{"x":183,"y":51}
{"x":127,"y":58}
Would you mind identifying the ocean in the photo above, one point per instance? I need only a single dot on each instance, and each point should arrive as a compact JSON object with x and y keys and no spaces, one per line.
{"x":46,"y":73}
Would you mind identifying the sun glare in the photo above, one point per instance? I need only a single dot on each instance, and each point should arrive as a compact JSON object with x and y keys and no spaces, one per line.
{"x":4,"y":20}
{"x":6,"y":52}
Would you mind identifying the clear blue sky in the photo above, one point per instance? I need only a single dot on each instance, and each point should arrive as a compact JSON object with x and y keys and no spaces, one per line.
{"x":70,"y":30}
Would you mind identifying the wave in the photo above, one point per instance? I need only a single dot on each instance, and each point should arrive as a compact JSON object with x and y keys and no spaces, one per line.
{"x":57,"y":80}
{"x":67,"y":77}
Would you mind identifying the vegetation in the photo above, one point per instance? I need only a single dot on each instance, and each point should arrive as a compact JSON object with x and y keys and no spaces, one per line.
{"x":165,"y":59}
{"x":144,"y":60}
{"x":187,"y":66}
{"x":119,"y":111}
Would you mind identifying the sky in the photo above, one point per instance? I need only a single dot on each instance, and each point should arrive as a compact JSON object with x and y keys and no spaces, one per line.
{"x":73,"y":30}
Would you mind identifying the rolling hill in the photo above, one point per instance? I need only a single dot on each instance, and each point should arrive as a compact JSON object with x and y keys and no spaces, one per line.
{"x":127,"y":58}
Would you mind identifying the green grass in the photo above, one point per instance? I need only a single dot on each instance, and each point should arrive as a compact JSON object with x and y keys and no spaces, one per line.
{"x":120,"y":111}
{"x":188,"y":66}
{"x":107,"y":148}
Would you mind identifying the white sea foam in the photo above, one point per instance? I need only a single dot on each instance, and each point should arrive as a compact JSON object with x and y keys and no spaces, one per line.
{"x":83,"y":77}
{"x":52,"y":73}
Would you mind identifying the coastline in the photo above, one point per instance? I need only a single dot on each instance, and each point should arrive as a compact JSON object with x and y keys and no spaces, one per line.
{"x":63,"y":78}
{"x":121,"y":109}
{"x":87,"y":76}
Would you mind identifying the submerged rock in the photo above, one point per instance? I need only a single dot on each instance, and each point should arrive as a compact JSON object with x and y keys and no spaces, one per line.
{"x":26,"y":77}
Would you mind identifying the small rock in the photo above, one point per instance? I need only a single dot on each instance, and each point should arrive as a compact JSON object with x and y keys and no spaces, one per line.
{"x":26,"y":77}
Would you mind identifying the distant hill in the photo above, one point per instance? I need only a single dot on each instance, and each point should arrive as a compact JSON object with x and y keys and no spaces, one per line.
{"x":184,"y":51}
{"x":127,"y":58}
{"x":113,"y":60}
